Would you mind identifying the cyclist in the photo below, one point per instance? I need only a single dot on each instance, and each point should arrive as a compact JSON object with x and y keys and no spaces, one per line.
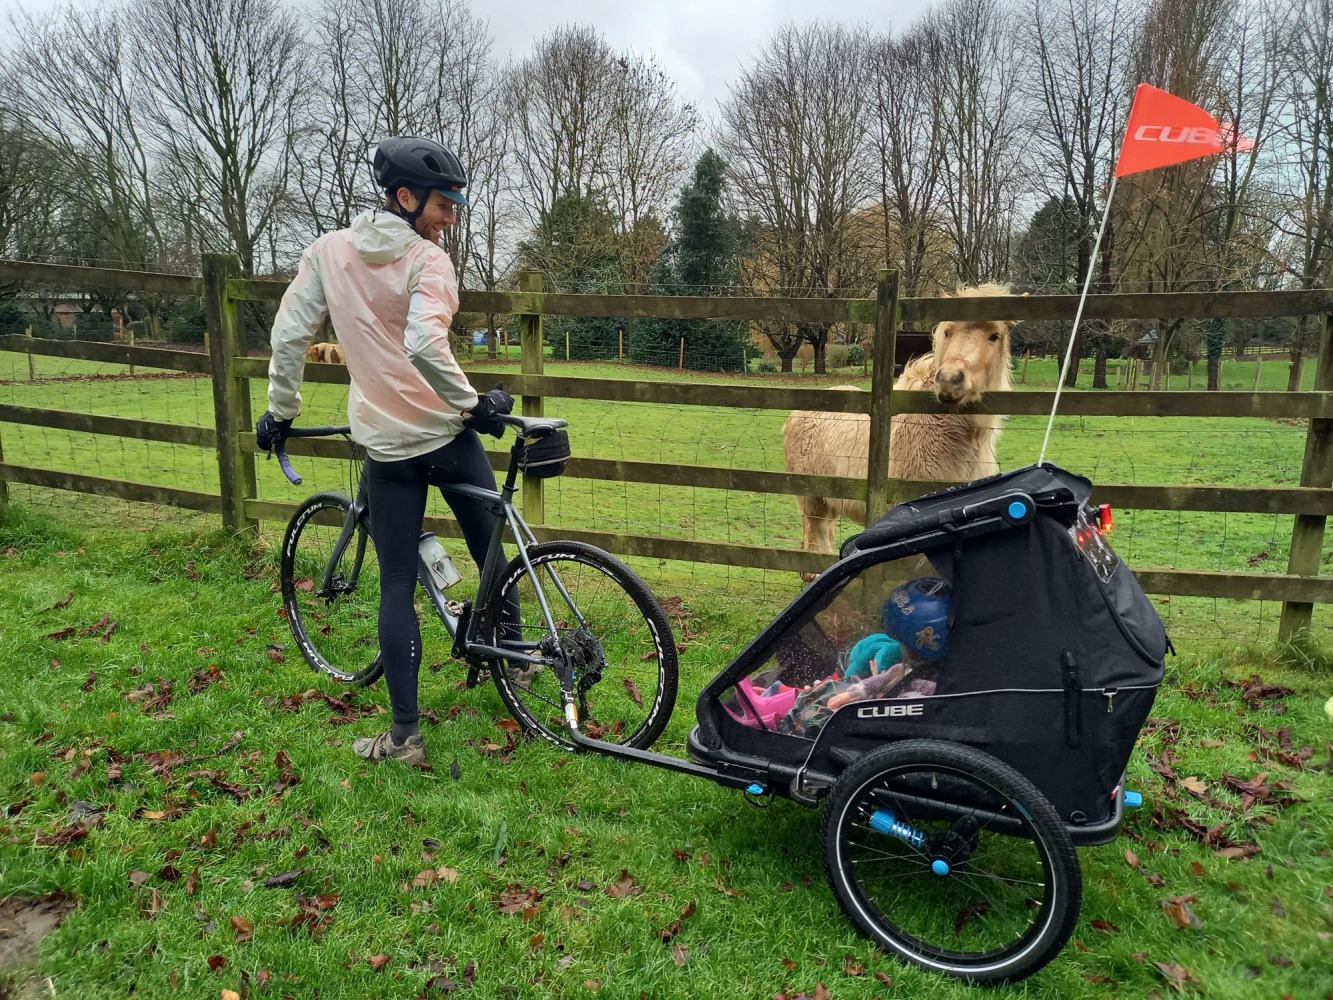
{"x":391,"y":293}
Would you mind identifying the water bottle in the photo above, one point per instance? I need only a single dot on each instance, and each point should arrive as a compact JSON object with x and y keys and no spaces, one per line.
{"x":438,"y":564}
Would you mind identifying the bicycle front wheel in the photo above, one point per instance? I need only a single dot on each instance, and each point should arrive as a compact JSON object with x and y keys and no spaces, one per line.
{"x":331,"y":589}
{"x":610,"y":632}
{"x":952,"y":860}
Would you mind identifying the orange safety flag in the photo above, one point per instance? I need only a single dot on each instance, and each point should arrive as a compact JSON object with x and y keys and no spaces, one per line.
{"x":1164,"y":129}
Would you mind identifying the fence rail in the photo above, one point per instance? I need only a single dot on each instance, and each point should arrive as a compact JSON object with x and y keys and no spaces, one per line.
{"x":232,"y":439}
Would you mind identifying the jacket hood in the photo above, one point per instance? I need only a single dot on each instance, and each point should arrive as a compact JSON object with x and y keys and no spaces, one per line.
{"x":381,"y":237}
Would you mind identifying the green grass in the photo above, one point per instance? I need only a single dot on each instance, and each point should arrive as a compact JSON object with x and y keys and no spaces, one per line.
{"x":564,"y":826}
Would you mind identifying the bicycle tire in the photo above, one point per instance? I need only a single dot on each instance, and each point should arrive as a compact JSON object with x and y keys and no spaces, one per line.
{"x":998,"y":914}
{"x":337,"y":632}
{"x":627,"y":646}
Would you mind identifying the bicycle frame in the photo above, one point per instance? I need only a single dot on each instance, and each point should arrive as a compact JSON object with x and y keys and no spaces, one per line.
{"x":501,"y":502}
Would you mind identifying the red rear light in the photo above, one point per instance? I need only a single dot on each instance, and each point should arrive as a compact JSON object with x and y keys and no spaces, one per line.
{"x":1105,"y":522}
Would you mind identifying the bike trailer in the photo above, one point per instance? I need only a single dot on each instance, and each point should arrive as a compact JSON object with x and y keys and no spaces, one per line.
{"x":1014,"y":627}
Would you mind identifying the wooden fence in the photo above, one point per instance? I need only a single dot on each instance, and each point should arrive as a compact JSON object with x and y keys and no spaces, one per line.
{"x":232,"y":436}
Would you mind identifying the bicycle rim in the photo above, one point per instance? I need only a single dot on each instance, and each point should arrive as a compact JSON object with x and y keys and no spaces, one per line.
{"x":331,"y":590}
{"x":1003,"y":904}
{"x":611,"y":630}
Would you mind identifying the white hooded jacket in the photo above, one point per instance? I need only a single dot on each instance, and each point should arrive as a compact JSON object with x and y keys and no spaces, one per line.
{"x":391,"y":296}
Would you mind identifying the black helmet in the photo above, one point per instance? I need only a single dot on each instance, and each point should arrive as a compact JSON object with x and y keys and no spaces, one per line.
{"x":414,"y":162}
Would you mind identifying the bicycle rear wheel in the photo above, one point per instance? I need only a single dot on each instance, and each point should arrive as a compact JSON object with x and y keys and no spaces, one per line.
{"x":952,"y":860}
{"x":331,"y":589}
{"x":614,"y":636}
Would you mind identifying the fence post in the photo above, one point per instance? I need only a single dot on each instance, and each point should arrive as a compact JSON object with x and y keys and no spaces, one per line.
{"x":231,"y":394}
{"x":532,"y":358}
{"x":1307,"y":532}
{"x":881,"y":389}
{"x":32,"y":365}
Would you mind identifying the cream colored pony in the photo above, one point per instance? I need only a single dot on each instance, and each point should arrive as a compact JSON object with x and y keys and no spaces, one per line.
{"x":968,"y":360}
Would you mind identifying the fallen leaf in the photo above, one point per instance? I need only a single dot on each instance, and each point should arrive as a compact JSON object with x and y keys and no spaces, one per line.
{"x":378,"y":962}
{"x":1195,"y":785}
{"x":153,"y":907}
{"x":63,"y":602}
{"x":633,"y":690}
{"x":138,"y":878}
{"x":851,"y":967}
{"x":884,"y":978}
{"x":243,"y":929}
{"x":1131,"y":858}
{"x":1177,"y":908}
{"x":1176,"y":975}
{"x":623,"y":886}
{"x":37,"y":778}
{"x":230,"y":995}
{"x":1105,"y":926}
{"x":679,"y":953}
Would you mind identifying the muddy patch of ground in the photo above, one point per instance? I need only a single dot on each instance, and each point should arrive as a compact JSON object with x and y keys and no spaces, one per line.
{"x":23,"y":923}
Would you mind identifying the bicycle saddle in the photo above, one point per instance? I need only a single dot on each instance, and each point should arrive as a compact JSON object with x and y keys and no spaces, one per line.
{"x":532,"y":426}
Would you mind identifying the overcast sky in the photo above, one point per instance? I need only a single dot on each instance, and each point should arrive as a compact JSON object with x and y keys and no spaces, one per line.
{"x":701,"y":43}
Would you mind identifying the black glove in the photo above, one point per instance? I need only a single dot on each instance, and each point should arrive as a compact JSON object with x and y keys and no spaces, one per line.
{"x":481,"y":418}
{"x":270,"y":432}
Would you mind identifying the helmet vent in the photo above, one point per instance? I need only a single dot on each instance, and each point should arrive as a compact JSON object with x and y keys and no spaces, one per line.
{"x":433,"y":163}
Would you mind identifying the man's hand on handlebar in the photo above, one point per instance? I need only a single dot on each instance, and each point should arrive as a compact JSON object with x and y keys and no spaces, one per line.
{"x":481,"y":418}
{"x":270,"y":432}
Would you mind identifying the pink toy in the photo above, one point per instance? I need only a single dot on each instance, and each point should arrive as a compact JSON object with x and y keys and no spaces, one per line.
{"x":758,"y":710}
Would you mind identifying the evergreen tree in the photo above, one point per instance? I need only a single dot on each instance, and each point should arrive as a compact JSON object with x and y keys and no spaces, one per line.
{"x":577,"y":249}
{"x":700,"y":260}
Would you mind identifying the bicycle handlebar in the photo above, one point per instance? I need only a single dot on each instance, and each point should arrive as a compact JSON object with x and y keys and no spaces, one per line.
{"x":285,"y":463}
{"x":308,"y":432}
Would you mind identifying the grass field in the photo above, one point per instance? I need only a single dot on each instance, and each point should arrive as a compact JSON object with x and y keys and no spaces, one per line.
{"x":136,"y":643}
{"x":156,"y":725}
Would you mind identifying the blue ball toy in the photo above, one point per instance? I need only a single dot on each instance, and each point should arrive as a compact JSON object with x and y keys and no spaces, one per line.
{"x":917,"y":615}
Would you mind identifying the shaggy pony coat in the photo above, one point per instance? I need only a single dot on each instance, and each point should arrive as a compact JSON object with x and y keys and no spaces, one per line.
{"x":968,"y":359}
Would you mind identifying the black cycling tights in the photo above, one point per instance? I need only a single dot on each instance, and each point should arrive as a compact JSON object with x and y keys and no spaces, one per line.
{"x":397,"y":493}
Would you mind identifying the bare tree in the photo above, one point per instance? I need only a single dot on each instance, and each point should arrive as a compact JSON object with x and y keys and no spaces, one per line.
{"x":793,"y":132}
{"x":560,"y":102}
{"x":329,"y":161}
{"x":652,"y":132}
{"x":1248,"y":99}
{"x":977,"y":69}
{"x":907,"y":135}
{"x":76,"y":91}
{"x":1180,"y":228}
{"x":1306,"y":142}
{"x":1080,"y":49}
{"x":27,"y":216}
{"x":225,"y":81}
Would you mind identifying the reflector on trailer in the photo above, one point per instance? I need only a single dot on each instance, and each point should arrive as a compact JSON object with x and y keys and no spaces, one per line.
{"x":1104,"y":519}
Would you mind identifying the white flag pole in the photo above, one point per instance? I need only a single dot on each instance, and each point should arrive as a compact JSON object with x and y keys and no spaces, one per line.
{"x":1073,"y":335}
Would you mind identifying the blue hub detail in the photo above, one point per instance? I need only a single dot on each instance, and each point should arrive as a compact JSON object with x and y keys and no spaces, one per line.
{"x":1133,"y":799}
{"x":1018,"y":510}
{"x":939,"y":866}
{"x":756,"y":789}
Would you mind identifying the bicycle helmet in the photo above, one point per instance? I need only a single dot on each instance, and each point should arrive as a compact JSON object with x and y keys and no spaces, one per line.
{"x":415,"y":162}
{"x":917,"y":615}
